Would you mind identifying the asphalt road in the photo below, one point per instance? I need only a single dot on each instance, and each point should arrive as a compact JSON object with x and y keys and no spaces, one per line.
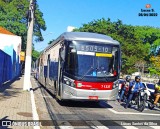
{"x":90,"y":115}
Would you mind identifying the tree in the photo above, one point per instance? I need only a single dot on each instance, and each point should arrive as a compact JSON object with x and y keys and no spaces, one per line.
{"x":35,"y":55}
{"x":13,"y":17}
{"x":138,"y":43}
{"x":155,"y":67}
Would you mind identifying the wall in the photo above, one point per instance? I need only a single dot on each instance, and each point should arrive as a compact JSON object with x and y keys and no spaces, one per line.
{"x":11,"y":45}
{"x":5,"y":67}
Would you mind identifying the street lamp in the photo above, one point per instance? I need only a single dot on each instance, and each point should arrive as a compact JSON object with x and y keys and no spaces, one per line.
{"x":27,"y":73}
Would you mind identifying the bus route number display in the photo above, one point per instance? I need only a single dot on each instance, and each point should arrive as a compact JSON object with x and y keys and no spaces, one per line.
{"x":94,"y":48}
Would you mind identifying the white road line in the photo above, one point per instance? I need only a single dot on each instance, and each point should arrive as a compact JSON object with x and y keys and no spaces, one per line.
{"x":34,"y":111}
{"x":101,"y":127}
{"x":132,"y":113}
{"x":133,"y":127}
{"x":66,"y":125}
{"x":130,"y":127}
{"x":47,"y":96}
{"x":155,"y":127}
{"x":96,"y":125}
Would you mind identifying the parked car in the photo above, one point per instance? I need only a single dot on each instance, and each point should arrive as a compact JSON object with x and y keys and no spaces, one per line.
{"x":149,"y":88}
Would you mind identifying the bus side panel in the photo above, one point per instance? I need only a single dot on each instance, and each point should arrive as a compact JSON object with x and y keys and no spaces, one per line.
{"x":41,"y":70}
{"x":52,"y":67}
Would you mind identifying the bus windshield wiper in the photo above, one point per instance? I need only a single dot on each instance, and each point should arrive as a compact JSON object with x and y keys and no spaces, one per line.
{"x":105,"y":74}
{"x":87,"y":72}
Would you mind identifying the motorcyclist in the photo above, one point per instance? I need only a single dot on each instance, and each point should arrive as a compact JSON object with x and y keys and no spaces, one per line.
{"x":134,"y":87}
{"x":157,"y":92}
{"x":125,"y":87}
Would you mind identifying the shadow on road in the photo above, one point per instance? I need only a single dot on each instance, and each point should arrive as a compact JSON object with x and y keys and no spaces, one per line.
{"x":85,"y":104}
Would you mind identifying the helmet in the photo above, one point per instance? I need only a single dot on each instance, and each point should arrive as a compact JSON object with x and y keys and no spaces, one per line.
{"x":137,"y":77}
{"x":128,"y":78}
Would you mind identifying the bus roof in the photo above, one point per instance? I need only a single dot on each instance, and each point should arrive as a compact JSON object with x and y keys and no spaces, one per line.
{"x":87,"y":36}
{"x":83,"y":36}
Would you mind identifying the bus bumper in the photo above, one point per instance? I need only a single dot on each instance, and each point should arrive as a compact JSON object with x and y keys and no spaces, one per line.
{"x":70,"y":93}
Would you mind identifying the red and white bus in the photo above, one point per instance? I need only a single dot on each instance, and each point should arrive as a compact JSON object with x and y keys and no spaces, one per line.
{"x":81,"y":66}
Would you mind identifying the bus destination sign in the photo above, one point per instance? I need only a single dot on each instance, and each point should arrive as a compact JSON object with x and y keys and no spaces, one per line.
{"x":94,"y":48}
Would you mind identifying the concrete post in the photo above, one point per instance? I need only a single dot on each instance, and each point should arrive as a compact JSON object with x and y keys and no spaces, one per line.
{"x":27,"y":74}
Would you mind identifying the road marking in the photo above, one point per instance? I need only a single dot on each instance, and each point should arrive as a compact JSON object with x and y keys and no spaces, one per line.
{"x":130,"y":127}
{"x":96,"y":125}
{"x":66,"y":127}
{"x":132,"y":113}
{"x":155,"y":127}
{"x":34,"y":111}
{"x":47,"y":96}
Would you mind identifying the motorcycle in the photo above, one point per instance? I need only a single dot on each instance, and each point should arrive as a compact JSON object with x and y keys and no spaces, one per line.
{"x":138,"y":99}
{"x":125,"y":96}
{"x":151,"y":101}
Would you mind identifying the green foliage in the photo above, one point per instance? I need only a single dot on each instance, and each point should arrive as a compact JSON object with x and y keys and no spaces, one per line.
{"x":152,"y":70}
{"x":155,"y":65}
{"x":13,"y":17}
{"x":138,"y":43}
{"x":35,"y":55}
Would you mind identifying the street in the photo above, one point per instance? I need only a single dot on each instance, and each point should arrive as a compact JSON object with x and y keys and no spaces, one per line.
{"x":80,"y":114}
{"x":68,"y":65}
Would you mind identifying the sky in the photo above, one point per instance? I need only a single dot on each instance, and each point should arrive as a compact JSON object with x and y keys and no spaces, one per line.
{"x":59,"y":14}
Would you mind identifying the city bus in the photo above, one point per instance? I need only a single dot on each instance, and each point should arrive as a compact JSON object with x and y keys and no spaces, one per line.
{"x":81,"y":66}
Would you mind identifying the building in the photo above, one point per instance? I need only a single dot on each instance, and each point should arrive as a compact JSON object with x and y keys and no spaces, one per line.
{"x":10,"y":47}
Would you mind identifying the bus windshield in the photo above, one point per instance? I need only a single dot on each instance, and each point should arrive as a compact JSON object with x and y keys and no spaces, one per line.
{"x":88,"y":59}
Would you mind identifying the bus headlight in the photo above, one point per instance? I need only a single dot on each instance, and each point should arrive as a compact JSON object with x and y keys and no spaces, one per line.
{"x":115,"y":85}
{"x":69,"y":82}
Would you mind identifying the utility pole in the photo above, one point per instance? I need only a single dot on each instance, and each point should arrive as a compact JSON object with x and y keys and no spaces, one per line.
{"x":27,"y":73}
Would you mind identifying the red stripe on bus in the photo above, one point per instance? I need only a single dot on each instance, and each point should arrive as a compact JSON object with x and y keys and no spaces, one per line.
{"x":94,"y":85}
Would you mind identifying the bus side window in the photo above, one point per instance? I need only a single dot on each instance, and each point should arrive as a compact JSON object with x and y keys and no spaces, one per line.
{"x":62,"y":53}
{"x":116,"y":65}
{"x":71,"y":57}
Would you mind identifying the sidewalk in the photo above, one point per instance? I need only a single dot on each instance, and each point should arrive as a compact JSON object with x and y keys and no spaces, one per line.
{"x":15,"y":104}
